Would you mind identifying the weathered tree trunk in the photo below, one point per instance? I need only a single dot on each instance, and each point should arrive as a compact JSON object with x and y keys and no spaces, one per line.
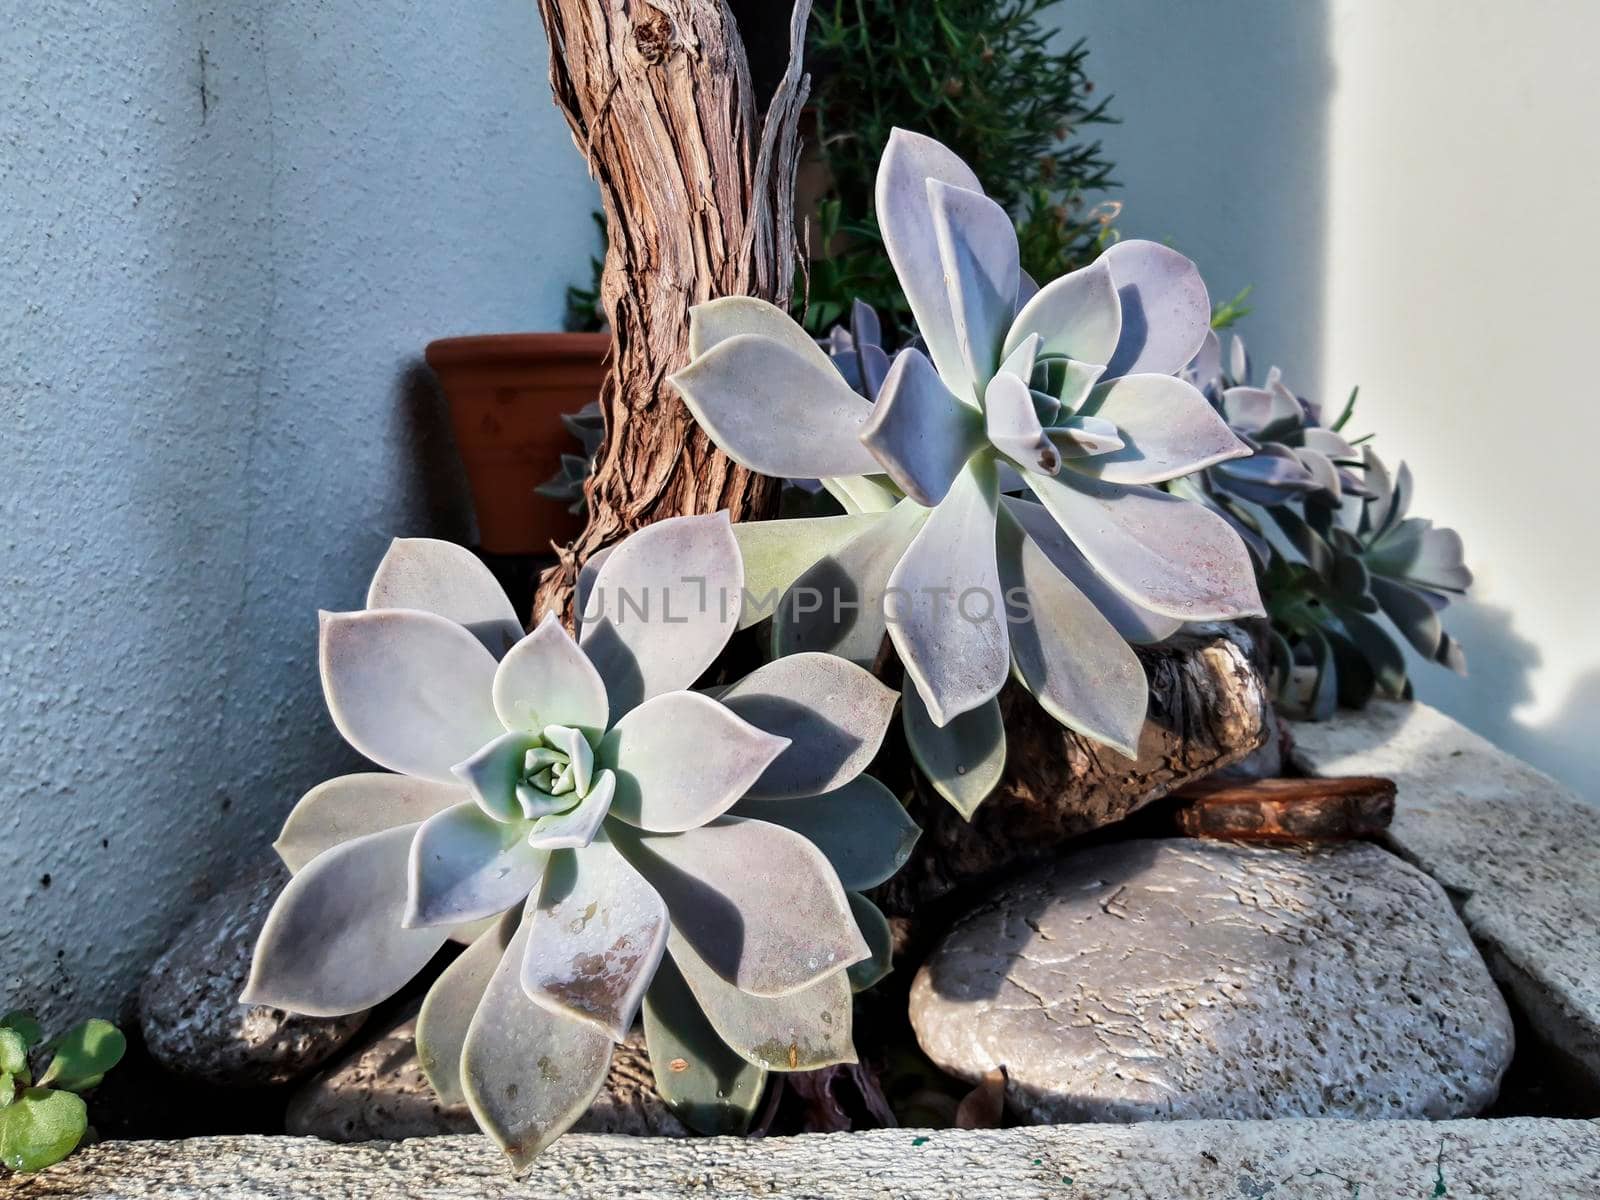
{"x":698,"y":193}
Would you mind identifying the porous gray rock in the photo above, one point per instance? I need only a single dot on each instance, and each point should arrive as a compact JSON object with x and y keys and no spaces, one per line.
{"x":189,"y":1008}
{"x":380,"y":1093}
{"x":1176,"y":979}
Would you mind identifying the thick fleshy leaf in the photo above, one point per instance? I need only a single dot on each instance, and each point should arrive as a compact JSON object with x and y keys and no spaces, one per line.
{"x":353,"y":806}
{"x":1167,"y":427}
{"x":527,"y":1073}
{"x":1322,"y":470}
{"x":947,"y":615}
{"x":875,"y":929}
{"x":333,"y":943}
{"x":1254,"y":410}
{"x":776,"y":553}
{"x":715,"y":321}
{"x":905,"y":218}
{"x":547,"y":680}
{"x":833,"y":713}
{"x":1077,"y":316}
{"x":595,"y":938}
{"x":963,"y":759}
{"x":662,"y":607}
{"x":1412,"y":614}
{"x":836,"y":606}
{"x":578,"y":826}
{"x":1166,"y":312}
{"x":1205,"y":369}
{"x":775,"y":410}
{"x":862,"y":829}
{"x":1070,"y":657}
{"x":761,"y":904}
{"x":1329,"y":444}
{"x":408,"y":689}
{"x":1078,"y":437}
{"x":465,"y":865}
{"x":1012,"y":425}
{"x":1020,"y":359}
{"x":1382,"y":655}
{"x":491,"y":775}
{"x":1076,"y":381}
{"x":449,"y":581}
{"x":1165,"y":554}
{"x":1132,"y":621}
{"x":802,"y":1031}
{"x":918,"y":431}
{"x":709,"y":1087}
{"x":450,"y":1004}
{"x":40,"y":1126}
{"x":682,"y":759}
{"x":1422,"y":555}
{"x":571,"y":744}
{"x":978,"y":246}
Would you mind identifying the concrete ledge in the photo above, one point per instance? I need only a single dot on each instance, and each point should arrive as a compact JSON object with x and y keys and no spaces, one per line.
{"x":1518,"y":852}
{"x":1240,"y":1160}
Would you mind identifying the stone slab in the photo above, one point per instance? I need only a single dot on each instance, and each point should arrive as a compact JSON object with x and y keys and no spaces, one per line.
{"x":1518,"y":852}
{"x":1230,"y":1160}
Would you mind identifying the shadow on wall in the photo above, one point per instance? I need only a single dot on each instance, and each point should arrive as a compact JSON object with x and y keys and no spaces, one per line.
{"x":1222,"y":150}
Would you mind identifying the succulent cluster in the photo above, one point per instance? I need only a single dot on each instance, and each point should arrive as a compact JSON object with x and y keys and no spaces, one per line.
{"x":588,"y":426}
{"x":42,"y":1120}
{"x":604,"y":836}
{"x":1000,"y":516}
{"x":1334,"y":546}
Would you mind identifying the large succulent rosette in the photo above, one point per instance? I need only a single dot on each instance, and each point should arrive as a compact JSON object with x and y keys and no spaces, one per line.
{"x":1066,"y":394}
{"x":605,"y":837}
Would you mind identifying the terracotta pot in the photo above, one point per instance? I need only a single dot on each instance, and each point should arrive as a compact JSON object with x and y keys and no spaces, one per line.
{"x":507,"y":392}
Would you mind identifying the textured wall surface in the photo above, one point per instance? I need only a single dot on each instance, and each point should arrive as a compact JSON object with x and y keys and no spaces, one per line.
{"x":226,"y":232}
{"x":1411,"y":189}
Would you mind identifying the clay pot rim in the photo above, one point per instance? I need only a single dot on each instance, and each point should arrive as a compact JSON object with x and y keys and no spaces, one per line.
{"x":482,"y":348}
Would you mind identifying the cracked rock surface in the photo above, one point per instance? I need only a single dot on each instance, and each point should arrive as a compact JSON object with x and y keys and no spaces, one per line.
{"x":1177,"y":979}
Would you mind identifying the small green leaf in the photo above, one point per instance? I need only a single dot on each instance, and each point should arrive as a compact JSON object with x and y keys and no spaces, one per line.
{"x":13,"y":1051}
{"x":42,"y":1127}
{"x":24,"y":1023}
{"x":8,"y":1088}
{"x":83,"y":1054}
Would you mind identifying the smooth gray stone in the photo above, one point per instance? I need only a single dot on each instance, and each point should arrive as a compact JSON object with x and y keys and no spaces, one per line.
{"x":1181,"y":979}
{"x":1520,"y":1159}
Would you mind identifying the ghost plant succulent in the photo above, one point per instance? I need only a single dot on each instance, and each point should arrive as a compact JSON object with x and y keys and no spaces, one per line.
{"x":1066,"y":394}
{"x":625,"y":839}
{"x":1332,"y":542}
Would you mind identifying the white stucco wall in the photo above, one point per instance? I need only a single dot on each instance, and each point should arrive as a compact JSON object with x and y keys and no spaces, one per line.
{"x":1411,"y":187}
{"x":226,"y":232}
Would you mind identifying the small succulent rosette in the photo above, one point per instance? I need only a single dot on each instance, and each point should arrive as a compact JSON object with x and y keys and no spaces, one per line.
{"x":1066,"y":395}
{"x":604,"y":837}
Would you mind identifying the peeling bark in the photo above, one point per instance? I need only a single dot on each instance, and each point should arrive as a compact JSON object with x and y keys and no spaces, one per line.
{"x":698,"y":194}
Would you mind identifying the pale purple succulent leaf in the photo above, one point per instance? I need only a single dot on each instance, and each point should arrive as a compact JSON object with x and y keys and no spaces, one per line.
{"x":803,"y":1031}
{"x":1132,"y":621}
{"x":759,"y":903}
{"x":594,"y":939}
{"x":353,"y":806}
{"x":708,"y":1086}
{"x":863,"y":494}
{"x":464,"y":865}
{"x":776,"y":553}
{"x":1329,"y":444}
{"x":1254,"y":410}
{"x":963,"y":759}
{"x":408,"y":689}
{"x":837,"y":605}
{"x":1077,"y":316}
{"x":716,"y":321}
{"x":978,"y":246}
{"x":1012,"y":425}
{"x":1413,"y":614}
{"x":1238,"y":359}
{"x":491,"y":775}
{"x":1322,"y":470}
{"x":1205,"y":369}
{"x":1021,"y":357}
{"x":1046,"y":407}
{"x":1165,"y":554}
{"x":1080,"y":437}
{"x":449,"y":581}
{"x":578,"y":826}
{"x":527,"y":1073}
{"x":947,"y":611}
{"x":548,"y":680}
{"x":683,"y":759}
{"x":905,"y":219}
{"x":662,"y":608}
{"x":861,"y":827}
{"x":833,"y":713}
{"x":874,"y":927}
{"x":1168,"y":429}
{"x":450,"y":1004}
{"x":1166,"y":312}
{"x":918,"y":432}
{"x":775,"y":410}
{"x":333,"y":943}
{"x":1069,"y":655}
{"x":1077,"y":381}
{"x":865,"y":328}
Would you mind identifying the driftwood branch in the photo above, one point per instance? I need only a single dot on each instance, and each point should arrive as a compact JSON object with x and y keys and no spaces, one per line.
{"x":1287,"y":810}
{"x":697,"y":187}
